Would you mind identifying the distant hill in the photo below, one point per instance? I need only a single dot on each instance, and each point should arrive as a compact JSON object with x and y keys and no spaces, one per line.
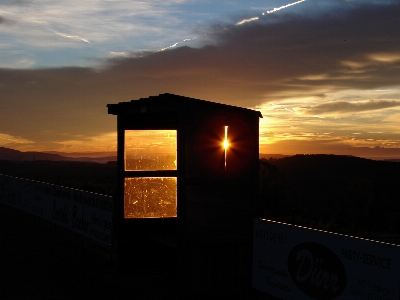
{"x":84,"y":154}
{"x":11,"y":154}
{"x":82,"y":175}
{"x":274,"y":156}
{"x":336,"y":166}
{"x":393,"y":160}
{"x":346,"y":194}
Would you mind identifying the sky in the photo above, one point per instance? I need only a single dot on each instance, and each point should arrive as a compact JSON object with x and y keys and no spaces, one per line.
{"x":325,"y":74}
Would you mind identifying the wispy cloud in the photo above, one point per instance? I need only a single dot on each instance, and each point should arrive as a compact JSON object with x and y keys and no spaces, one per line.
{"x":130,"y":24}
{"x":13,"y":141}
{"x":352,"y":107}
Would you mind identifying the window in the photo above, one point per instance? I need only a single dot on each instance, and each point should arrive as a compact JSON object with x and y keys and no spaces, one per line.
{"x":150,"y":196}
{"x":150,"y":150}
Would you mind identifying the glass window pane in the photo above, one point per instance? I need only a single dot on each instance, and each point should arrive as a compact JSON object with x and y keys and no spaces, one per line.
{"x":150,"y":197}
{"x":150,"y":150}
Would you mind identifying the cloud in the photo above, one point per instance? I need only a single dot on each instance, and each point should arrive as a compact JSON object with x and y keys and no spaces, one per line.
{"x":14,"y":142}
{"x":329,"y":146}
{"x":297,"y":60}
{"x":6,"y":21}
{"x":6,"y":139}
{"x":39,"y":24}
{"x":16,"y":2}
{"x":349,"y":107}
{"x":259,"y":60}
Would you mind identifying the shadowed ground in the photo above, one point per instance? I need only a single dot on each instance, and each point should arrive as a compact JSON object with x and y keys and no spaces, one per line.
{"x":42,"y":261}
{"x":39,"y":260}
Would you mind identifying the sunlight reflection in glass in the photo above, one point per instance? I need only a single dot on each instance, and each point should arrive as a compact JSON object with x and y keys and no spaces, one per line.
{"x":150,"y":197}
{"x":150,"y":150}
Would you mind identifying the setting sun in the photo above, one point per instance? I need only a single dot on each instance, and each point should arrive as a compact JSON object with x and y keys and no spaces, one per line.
{"x":225,"y":144}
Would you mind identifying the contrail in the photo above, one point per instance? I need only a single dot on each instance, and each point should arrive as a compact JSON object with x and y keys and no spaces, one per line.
{"x":239,"y":23}
{"x":247,"y":20}
{"x":268,"y":12}
{"x":284,"y":6}
{"x":73,"y":37}
{"x":177,"y":43}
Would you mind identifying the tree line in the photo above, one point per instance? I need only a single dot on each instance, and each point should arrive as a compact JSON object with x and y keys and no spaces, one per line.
{"x":336,"y":193}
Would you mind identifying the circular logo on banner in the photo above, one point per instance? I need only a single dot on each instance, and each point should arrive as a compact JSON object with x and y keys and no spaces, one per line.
{"x":317,"y":271}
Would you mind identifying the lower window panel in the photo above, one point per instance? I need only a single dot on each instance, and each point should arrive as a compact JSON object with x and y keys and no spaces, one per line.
{"x":150,"y":197}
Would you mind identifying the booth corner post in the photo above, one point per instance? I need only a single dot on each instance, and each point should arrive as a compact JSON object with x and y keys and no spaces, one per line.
{"x":187,"y":186}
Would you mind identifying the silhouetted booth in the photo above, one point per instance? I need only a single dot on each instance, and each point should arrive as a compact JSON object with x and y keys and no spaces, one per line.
{"x":187,"y":183}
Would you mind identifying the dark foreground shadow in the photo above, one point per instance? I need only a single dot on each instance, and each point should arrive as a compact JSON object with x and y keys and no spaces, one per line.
{"x":39,"y":260}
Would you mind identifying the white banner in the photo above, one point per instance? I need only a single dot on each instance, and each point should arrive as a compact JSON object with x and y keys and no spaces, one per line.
{"x":86,"y":213}
{"x":293,"y":262}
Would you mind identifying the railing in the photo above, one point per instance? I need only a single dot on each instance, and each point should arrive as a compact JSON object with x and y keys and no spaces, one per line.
{"x":85,"y":213}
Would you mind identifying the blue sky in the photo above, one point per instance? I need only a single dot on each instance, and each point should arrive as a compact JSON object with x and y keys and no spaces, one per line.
{"x":37,"y":34}
{"x":324,"y":73}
